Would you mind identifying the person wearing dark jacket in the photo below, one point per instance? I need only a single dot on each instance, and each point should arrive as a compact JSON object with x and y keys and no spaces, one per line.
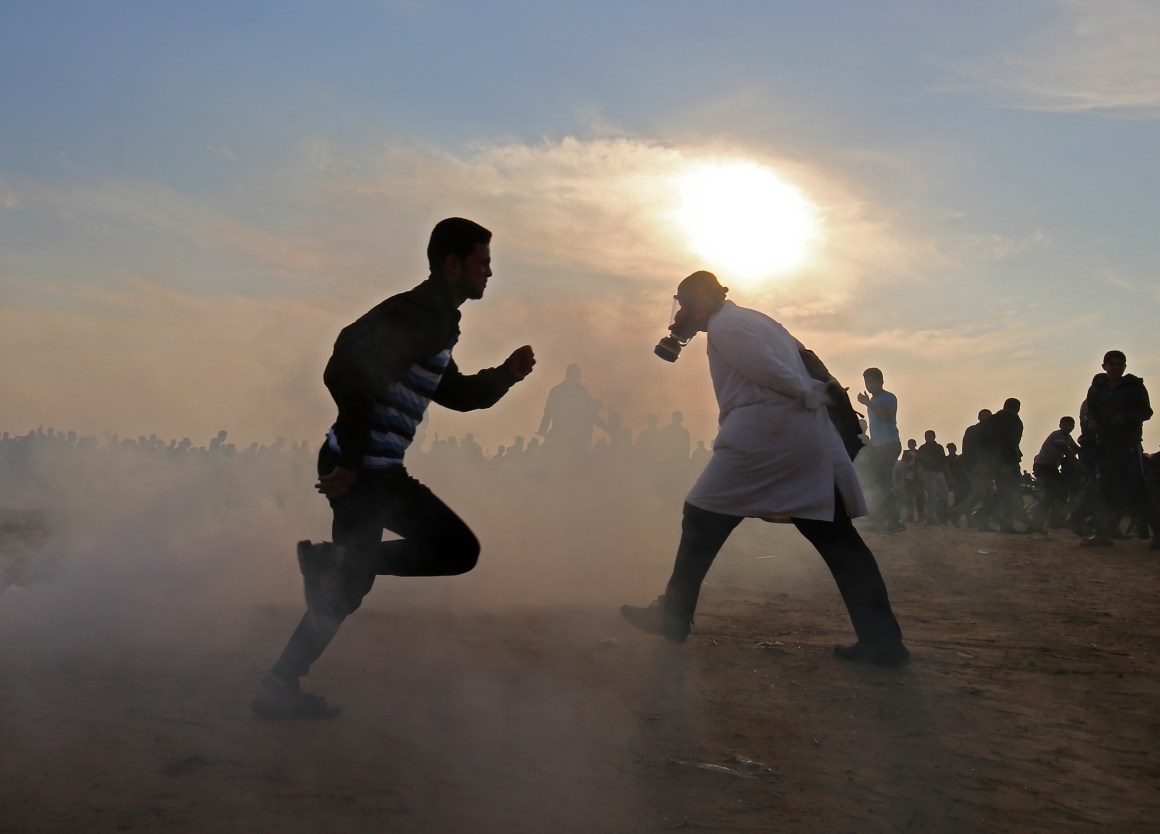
{"x":999,"y":448}
{"x":1116,"y":407}
{"x":385,"y":370}
{"x":981,"y":483}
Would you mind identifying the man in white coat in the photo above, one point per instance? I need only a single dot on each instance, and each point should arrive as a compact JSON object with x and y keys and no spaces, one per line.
{"x":777,"y":457}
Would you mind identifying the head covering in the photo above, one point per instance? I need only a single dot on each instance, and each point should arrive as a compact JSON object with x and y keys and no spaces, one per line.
{"x":700,"y":282}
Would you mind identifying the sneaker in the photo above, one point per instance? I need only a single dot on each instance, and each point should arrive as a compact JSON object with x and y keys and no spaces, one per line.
{"x":1096,"y":541}
{"x":653,"y":619}
{"x":321,"y":566}
{"x":885,"y":654}
{"x":278,"y":699}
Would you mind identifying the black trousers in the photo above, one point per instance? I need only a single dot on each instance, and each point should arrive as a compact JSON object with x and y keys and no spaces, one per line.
{"x":435,"y":542}
{"x":880,"y":468}
{"x":850,"y":561}
{"x":1122,"y":488}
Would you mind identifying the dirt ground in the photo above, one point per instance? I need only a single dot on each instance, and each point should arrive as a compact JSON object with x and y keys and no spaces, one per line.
{"x":1031,"y":704}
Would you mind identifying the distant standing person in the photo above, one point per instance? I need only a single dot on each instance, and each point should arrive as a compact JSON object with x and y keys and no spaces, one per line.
{"x":932,"y":460}
{"x":975,"y":465}
{"x":885,"y":447}
{"x":569,"y":417}
{"x":1002,"y":434}
{"x":958,"y":483}
{"x":776,"y":456}
{"x":385,"y":370}
{"x":1117,"y":407}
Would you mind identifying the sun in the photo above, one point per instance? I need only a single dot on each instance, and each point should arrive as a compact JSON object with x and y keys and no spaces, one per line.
{"x":745,"y":221}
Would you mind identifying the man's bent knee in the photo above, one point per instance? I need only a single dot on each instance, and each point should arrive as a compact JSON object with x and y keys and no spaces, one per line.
{"x":461,"y":553}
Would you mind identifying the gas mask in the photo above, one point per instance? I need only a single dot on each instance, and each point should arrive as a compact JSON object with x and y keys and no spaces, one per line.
{"x":669,"y":347}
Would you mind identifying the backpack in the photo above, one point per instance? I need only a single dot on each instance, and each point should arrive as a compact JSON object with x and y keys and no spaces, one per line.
{"x":841,"y":411}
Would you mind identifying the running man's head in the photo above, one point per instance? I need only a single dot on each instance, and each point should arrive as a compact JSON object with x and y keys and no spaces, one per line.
{"x":460,"y":252}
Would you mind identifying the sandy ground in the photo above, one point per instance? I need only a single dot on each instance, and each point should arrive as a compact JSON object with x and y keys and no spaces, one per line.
{"x":1030,"y":705}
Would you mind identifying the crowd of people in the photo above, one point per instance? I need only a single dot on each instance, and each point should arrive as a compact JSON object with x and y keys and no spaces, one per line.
{"x":1100,"y":484}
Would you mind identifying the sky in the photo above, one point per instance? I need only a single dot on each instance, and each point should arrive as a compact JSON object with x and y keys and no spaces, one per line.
{"x":196,"y":198}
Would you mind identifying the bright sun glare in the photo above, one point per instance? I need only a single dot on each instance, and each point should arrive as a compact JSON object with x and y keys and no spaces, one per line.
{"x":745,"y":221}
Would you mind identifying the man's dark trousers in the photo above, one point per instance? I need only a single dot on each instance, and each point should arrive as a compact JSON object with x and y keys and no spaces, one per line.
{"x":851,"y":562}
{"x":1122,"y":487}
{"x":435,"y":542}
{"x":881,"y":470}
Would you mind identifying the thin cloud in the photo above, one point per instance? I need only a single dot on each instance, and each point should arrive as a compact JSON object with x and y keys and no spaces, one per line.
{"x":9,"y":199}
{"x":1093,"y":57}
{"x":995,"y":247}
{"x":223,"y":152}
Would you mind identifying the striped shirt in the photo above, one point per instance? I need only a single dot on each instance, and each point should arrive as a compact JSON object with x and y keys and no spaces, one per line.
{"x":399,"y":411}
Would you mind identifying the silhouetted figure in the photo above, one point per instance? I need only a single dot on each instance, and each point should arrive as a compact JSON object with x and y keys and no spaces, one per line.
{"x":1117,"y":407}
{"x":959,"y":483}
{"x":619,"y":435}
{"x":650,"y":448}
{"x":777,"y":455}
{"x":978,"y":472}
{"x":675,"y":440}
{"x":386,"y":368}
{"x":884,"y":449}
{"x":914,"y":501}
{"x":569,"y":417}
{"x":700,"y":457}
{"x":1048,"y":468}
{"x":1001,"y":436}
{"x":470,"y":452}
{"x":932,"y":462}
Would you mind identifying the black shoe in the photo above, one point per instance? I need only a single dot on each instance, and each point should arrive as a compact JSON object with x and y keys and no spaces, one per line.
{"x":321,"y":566}
{"x":653,"y":619}
{"x":884,"y":654}
{"x":279,"y":700}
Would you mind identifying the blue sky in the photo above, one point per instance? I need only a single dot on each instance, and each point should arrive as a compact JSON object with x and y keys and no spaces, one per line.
{"x":193,"y":199}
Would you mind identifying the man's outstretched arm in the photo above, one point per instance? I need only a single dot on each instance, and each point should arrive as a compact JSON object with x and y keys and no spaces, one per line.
{"x":462,"y":392}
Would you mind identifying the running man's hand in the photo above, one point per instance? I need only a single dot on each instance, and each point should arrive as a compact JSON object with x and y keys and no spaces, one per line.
{"x":521,"y":362}
{"x":337,"y":482}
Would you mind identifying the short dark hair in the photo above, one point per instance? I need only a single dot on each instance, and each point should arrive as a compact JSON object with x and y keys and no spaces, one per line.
{"x":454,"y":236}
{"x":1115,"y":354}
{"x":874,"y":374}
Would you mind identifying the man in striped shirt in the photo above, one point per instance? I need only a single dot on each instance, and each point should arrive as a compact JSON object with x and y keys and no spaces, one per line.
{"x":385,"y":370}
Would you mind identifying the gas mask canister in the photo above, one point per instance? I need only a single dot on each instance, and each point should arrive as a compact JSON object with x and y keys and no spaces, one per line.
{"x":669,"y":347}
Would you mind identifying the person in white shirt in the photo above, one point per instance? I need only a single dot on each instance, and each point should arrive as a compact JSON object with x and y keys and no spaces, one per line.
{"x":777,"y":457}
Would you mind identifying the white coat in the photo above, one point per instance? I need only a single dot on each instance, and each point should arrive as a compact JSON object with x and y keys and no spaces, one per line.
{"x":777,"y":455}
